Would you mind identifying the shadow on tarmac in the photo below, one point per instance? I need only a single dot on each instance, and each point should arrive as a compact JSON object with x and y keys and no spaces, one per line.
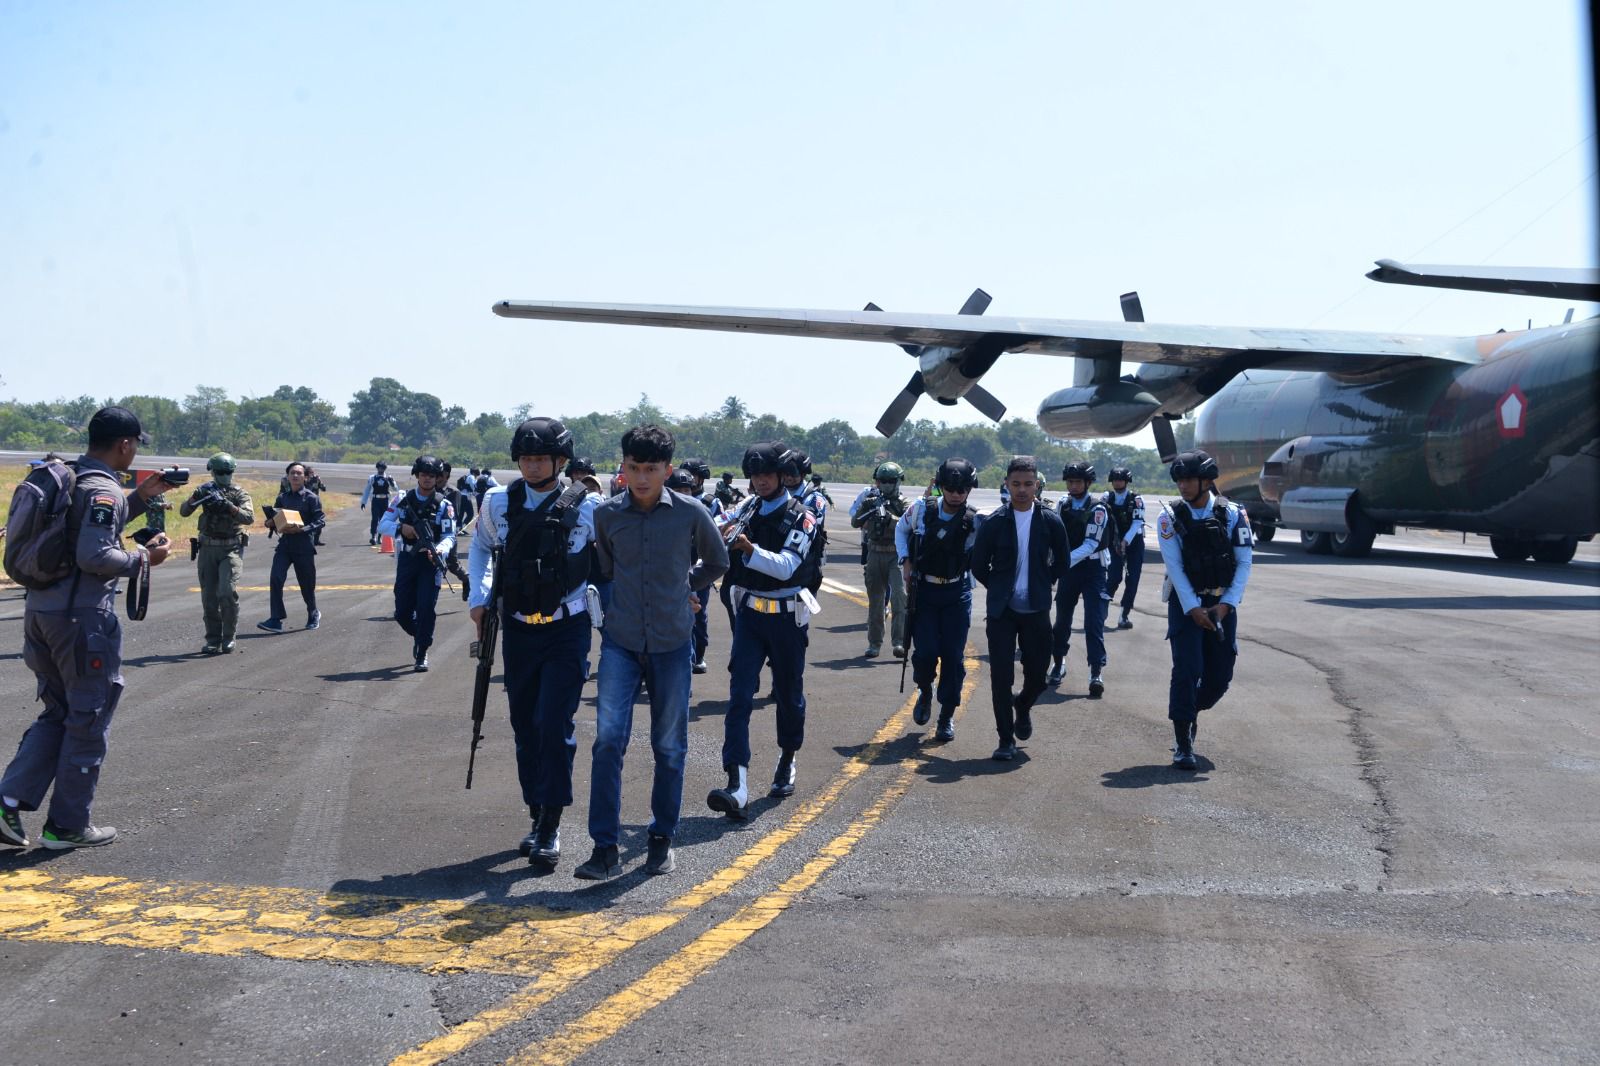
{"x":1463,"y":603}
{"x":500,"y":910}
{"x":1156,"y":774}
{"x":941,"y":771}
{"x":382,"y":673}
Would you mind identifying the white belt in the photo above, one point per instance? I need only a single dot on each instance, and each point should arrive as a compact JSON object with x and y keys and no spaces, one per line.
{"x":576,"y":605}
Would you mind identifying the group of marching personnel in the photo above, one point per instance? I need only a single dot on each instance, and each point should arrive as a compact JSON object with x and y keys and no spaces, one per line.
{"x":555,"y":558}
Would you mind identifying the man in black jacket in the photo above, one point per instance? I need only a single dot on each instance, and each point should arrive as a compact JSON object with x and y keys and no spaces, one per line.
{"x":1018,"y":555}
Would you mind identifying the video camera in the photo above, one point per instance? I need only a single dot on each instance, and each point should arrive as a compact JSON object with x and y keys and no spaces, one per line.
{"x":174,"y":475}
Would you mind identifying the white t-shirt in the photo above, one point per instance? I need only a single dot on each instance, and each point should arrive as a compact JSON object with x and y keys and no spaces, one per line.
{"x":1024,"y":521}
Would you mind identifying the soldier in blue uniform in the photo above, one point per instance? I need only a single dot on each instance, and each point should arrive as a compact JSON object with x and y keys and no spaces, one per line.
{"x":424,"y":527}
{"x":934,"y":540}
{"x":798,"y":483}
{"x":1126,"y":508}
{"x":770,"y":540}
{"x":380,"y":486}
{"x":1205,"y":544}
{"x":72,"y":641}
{"x":1086,"y":519}
{"x":297,"y":548}
{"x":543,"y":529}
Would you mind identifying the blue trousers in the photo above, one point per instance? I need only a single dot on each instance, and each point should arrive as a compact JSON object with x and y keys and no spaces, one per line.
{"x":304,"y":560}
{"x":1202,"y":665}
{"x":667,"y":673}
{"x":1133,"y":561}
{"x":1086,"y":581}
{"x":77,"y":663}
{"x":416,"y":596}
{"x":772,"y":638}
{"x":378,"y":508}
{"x":544,"y":679}
{"x":939,"y":638}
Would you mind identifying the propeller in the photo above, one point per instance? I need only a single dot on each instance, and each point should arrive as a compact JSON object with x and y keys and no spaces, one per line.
{"x":1161,"y":425}
{"x":894,"y":415}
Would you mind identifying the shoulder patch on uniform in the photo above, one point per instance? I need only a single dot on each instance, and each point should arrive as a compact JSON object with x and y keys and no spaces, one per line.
{"x":1165,"y":526}
{"x":102,"y":509}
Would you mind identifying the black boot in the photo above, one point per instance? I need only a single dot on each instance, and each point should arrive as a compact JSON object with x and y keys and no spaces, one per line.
{"x":546,"y":849}
{"x":1183,"y":748}
{"x":732,"y":800}
{"x":924,"y":707}
{"x":525,"y":846}
{"x":946,"y":730}
{"x":783,"y":776}
{"x":1024,"y":720}
{"x":603,"y":865}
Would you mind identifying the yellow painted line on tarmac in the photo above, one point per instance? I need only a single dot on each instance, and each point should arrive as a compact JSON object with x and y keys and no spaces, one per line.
{"x":676,"y":973}
{"x":438,"y":936}
{"x":320,"y":588}
{"x":849,"y":592}
{"x":571,"y":969}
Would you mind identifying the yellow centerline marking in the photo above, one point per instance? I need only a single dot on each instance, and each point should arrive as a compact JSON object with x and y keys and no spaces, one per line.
{"x":677,"y":972}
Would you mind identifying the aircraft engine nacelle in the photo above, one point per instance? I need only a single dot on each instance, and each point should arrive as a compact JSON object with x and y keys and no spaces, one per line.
{"x":1110,"y":409}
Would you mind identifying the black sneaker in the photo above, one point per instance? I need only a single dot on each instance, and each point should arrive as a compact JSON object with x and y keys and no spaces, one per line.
{"x":699,"y":666}
{"x":946,"y":730}
{"x":421,"y":665}
{"x":660,"y":860}
{"x":603,"y":865}
{"x":58,"y":839}
{"x":1097,"y":685}
{"x":314,"y":620}
{"x":228,"y":646}
{"x":11,"y":831}
{"x":1126,"y":621}
{"x":924,"y":708}
{"x":271,"y":625}
{"x":1058,"y":670}
{"x":212,"y":647}
{"x":1183,"y":759}
{"x":1024,"y":723}
{"x":783,"y":776}
{"x":1005,"y":753}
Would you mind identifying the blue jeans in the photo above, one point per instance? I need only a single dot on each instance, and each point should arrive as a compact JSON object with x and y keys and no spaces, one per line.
{"x":1202,"y":665}
{"x":667,"y":673}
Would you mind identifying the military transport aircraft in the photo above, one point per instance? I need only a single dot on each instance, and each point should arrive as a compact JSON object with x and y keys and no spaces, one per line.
{"x":1341,"y":435}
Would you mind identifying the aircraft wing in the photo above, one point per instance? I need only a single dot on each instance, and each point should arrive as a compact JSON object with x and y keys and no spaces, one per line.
{"x":1560,"y":282}
{"x":1197,"y":347}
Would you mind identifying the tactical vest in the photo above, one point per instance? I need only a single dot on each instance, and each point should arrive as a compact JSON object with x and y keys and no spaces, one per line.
{"x":215,"y":524}
{"x":769,"y":532}
{"x":941,"y":550}
{"x":1076,"y":520}
{"x":381,"y":487}
{"x":880,"y":528}
{"x":413,"y":510}
{"x":537,"y":571}
{"x":1121,"y":514}
{"x":1208,"y":560}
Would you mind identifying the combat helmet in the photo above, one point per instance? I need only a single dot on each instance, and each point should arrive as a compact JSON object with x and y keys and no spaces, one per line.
{"x":1082,"y":471}
{"x":542,"y":436}
{"x":888,"y":472}
{"x":767,"y":457}
{"x":956,"y":474}
{"x":1195,"y":464}
{"x":428,"y":464}
{"x":221,"y":463}
{"x":1120,"y":473}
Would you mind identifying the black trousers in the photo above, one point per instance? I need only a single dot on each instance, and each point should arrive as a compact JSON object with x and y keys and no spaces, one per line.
{"x":1006,"y":633}
{"x":304,"y":562}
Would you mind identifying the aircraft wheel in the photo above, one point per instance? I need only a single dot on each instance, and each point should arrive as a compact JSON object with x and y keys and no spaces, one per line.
{"x":1316,"y":543}
{"x":1265,"y":531}
{"x":1555,"y":551}
{"x":1356,"y":544}
{"x":1510,"y":549}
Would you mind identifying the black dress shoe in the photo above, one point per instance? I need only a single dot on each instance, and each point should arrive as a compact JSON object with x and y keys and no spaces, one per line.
{"x":660,"y":860}
{"x":1024,"y":724}
{"x":783,"y":776}
{"x":924,"y":708}
{"x":946,"y":730}
{"x":1058,"y":670}
{"x":546,"y":848}
{"x":603,"y":865}
{"x":1097,"y":685}
{"x":1005,"y":753}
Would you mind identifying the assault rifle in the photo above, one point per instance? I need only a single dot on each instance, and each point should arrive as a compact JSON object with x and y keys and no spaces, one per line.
{"x":483,"y":650}
{"x":1177,"y":531}
{"x":740,"y":521}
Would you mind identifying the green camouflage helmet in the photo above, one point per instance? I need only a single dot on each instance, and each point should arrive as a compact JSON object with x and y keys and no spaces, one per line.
{"x":221,"y":463}
{"x":888,"y":472}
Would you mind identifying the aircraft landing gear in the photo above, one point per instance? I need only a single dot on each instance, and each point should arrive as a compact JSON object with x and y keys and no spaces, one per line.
{"x":1264,"y":531}
{"x":1316,"y":543}
{"x":1555,"y":551}
{"x":1357,"y":543}
{"x":1513,"y":550}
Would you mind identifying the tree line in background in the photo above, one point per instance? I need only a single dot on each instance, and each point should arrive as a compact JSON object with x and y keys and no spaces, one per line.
{"x":295,"y":423}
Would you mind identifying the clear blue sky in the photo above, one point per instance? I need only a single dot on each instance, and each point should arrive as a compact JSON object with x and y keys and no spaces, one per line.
{"x":254,"y":195}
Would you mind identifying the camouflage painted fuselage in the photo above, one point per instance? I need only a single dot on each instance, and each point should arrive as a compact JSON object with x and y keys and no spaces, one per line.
{"x":1509,"y":446}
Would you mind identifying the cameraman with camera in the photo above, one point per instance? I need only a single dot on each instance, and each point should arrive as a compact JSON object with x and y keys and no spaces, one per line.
{"x":225,"y":509}
{"x":424,"y":526}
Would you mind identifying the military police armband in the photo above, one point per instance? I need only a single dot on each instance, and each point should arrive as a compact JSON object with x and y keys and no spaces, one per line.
{"x":1243,"y":535}
{"x":103,"y":510}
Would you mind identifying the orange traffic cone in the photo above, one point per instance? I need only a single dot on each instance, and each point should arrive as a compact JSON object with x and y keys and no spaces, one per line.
{"x":388,"y":545}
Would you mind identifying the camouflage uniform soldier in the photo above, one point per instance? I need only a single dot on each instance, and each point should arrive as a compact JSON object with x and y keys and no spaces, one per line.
{"x":225,"y":509}
{"x":875,"y":513}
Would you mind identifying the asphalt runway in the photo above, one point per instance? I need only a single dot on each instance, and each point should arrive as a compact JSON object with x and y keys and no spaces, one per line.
{"x":1390,"y":854}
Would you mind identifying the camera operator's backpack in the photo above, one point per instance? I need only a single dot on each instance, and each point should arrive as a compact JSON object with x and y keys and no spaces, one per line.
{"x":39,"y":541}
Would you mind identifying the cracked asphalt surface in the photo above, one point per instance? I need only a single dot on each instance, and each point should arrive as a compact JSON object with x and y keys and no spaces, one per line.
{"x":1389,"y":854}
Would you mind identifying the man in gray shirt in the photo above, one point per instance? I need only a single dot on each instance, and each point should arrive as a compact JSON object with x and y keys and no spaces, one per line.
{"x":657,"y":551}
